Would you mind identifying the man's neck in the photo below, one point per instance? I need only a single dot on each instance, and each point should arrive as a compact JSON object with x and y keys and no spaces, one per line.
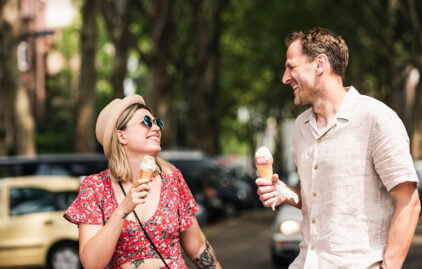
{"x":328,"y":104}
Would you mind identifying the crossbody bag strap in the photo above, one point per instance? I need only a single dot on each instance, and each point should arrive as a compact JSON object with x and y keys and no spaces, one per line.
{"x":145,"y":232}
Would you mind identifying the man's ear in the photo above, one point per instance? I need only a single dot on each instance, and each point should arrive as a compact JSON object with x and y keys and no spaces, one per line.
{"x":121,"y":137}
{"x":321,"y":63}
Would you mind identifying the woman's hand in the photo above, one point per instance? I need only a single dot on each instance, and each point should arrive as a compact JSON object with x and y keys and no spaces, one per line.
{"x":136,"y":195}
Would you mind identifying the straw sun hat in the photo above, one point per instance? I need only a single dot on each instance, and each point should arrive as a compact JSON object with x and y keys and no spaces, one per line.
{"x":106,"y":121}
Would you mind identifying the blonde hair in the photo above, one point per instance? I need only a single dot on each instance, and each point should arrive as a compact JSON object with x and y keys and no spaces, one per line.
{"x":118,"y":162}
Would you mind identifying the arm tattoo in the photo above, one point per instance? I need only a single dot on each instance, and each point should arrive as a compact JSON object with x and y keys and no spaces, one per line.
{"x":137,"y":263}
{"x":206,"y":259}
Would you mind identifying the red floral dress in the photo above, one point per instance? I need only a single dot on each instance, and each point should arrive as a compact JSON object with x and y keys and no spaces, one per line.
{"x":96,"y":202}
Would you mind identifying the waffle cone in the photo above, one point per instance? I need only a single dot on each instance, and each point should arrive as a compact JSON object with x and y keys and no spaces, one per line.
{"x":265,"y":170}
{"x":146,"y":174}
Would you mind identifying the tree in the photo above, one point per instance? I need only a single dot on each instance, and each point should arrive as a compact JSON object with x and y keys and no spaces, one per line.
{"x":157,"y":31}
{"x":86,"y":102}
{"x":118,"y":19}
{"x":202,"y":77}
{"x":414,"y":11}
{"x":14,"y":96}
{"x":389,"y":35}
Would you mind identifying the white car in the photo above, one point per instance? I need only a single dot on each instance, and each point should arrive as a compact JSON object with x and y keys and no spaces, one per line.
{"x":286,"y":235}
{"x":33,"y":232}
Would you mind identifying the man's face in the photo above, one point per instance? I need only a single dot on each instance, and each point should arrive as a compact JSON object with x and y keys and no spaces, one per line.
{"x":300,"y":74}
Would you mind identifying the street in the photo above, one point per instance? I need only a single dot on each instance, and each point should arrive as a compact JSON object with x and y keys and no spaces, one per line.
{"x":243,"y":242}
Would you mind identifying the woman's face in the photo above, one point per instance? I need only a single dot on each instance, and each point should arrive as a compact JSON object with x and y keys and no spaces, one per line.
{"x":139,"y":138}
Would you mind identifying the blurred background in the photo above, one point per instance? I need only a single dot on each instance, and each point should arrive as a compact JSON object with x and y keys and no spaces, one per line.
{"x":211,"y":70}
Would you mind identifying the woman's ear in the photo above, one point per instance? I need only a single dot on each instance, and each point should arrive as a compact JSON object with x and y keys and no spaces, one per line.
{"x":121,"y":137}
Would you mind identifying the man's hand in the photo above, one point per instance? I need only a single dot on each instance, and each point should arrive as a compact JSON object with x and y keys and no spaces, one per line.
{"x":267,"y":191}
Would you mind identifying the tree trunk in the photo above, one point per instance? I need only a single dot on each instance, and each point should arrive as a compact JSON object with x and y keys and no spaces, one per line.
{"x":8,"y":74}
{"x":86,"y":104}
{"x":117,"y":18}
{"x":417,"y":125}
{"x":24,"y":134}
{"x":204,"y":89}
{"x":159,"y":94}
{"x":14,"y":102}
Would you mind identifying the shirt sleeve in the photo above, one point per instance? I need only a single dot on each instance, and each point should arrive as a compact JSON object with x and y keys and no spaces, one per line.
{"x":187,"y":204}
{"x":85,"y":208}
{"x":391,"y":151}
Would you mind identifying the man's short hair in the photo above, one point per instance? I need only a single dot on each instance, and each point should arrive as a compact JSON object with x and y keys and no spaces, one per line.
{"x":318,"y":41}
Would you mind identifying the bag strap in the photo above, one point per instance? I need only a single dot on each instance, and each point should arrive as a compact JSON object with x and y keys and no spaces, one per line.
{"x":145,"y":232}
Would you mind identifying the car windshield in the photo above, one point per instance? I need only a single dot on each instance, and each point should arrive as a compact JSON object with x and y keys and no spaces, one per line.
{"x":33,"y":200}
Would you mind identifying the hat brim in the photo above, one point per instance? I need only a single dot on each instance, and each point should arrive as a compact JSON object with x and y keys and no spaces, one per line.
{"x":107,"y":119}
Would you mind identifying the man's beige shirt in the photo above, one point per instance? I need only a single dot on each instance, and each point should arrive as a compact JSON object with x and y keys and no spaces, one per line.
{"x":346,"y":172}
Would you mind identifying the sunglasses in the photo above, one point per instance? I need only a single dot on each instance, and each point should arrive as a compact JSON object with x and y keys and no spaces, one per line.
{"x":148,"y":122}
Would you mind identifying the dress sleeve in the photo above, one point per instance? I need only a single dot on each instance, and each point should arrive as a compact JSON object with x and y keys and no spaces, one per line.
{"x":187,"y":204}
{"x":85,"y":208}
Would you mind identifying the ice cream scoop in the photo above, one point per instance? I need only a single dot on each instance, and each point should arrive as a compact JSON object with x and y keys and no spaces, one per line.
{"x":147,"y":167}
{"x":264,"y":162}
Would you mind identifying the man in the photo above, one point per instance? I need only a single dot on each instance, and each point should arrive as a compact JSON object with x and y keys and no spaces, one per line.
{"x":357,"y":190}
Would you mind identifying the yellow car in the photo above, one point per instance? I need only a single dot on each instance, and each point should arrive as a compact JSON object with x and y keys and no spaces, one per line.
{"x":33,"y":232}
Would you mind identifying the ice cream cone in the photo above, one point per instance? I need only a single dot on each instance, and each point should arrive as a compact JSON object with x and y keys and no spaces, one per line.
{"x":264,"y":163}
{"x":265,"y":170}
{"x":145,"y":174}
{"x":147,"y":167}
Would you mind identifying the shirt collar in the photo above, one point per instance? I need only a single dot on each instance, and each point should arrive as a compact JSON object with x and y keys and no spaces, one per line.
{"x":346,"y":107}
{"x":348,"y":104}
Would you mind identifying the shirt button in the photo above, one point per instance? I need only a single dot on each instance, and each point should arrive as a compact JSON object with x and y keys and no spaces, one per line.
{"x":313,"y":220}
{"x":314,"y":194}
{"x":315,"y":167}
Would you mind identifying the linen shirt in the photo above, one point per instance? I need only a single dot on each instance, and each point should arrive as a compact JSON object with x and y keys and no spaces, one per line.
{"x":346,"y":172}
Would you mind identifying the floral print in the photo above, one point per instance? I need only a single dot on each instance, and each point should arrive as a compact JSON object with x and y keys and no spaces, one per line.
{"x":96,"y":202}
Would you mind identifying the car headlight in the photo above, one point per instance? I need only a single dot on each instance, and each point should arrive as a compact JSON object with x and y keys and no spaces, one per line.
{"x":289,"y":227}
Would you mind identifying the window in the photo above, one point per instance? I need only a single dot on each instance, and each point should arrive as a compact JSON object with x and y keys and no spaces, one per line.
{"x":33,"y":200}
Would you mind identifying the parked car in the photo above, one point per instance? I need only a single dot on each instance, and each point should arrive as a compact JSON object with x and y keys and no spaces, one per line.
{"x":33,"y":231}
{"x":284,"y":245}
{"x":242,"y":176}
{"x":216,"y":189}
{"x":191,"y":164}
{"x":78,"y":165}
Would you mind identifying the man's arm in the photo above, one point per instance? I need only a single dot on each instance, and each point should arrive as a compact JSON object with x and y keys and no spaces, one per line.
{"x":403,"y":224}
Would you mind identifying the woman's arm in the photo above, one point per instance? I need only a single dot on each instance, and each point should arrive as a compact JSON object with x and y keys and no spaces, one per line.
{"x":197,"y":248}
{"x":96,"y":242}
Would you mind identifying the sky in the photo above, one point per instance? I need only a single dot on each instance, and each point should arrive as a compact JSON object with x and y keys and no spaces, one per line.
{"x":59,"y":13}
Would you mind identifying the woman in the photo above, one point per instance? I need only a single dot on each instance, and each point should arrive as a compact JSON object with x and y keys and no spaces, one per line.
{"x":110,"y":233}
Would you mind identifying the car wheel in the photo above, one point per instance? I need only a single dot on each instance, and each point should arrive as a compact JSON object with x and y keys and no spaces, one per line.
{"x":64,"y":256}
